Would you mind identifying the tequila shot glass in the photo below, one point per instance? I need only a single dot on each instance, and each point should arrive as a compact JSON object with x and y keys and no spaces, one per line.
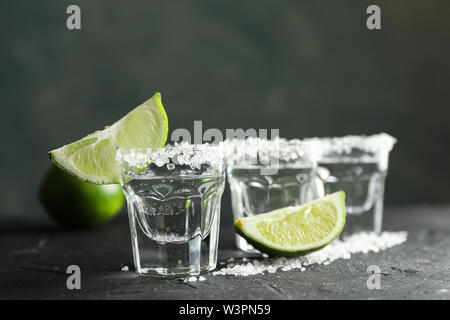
{"x":265,"y":175}
{"x":173,"y":196}
{"x":357,"y":165}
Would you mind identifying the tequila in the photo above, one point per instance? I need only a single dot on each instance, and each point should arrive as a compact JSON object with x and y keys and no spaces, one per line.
{"x":358,"y":166}
{"x":253,"y":193}
{"x":258,"y":186}
{"x":174,"y":212}
{"x":363,"y":184}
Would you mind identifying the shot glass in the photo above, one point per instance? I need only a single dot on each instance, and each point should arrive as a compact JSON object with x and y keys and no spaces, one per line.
{"x":357,"y":165}
{"x":265,"y":175}
{"x":173,"y":196}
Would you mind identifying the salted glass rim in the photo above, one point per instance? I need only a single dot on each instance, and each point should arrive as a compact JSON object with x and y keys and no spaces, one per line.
{"x":372,"y":148}
{"x":375,"y":143}
{"x":288,"y":152}
{"x":192,"y":155}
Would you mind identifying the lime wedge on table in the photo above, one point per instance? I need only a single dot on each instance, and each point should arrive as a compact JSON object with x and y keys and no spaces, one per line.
{"x":93,"y":158}
{"x":295,"y":230}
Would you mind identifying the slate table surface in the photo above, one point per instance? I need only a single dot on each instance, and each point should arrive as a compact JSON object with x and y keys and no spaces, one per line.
{"x":34,"y":256}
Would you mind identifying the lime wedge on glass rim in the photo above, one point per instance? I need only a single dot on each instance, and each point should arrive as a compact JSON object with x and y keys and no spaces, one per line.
{"x":292,"y":231}
{"x":93,"y":158}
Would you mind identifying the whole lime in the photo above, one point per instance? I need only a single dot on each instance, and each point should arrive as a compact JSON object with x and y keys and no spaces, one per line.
{"x":78,"y":204}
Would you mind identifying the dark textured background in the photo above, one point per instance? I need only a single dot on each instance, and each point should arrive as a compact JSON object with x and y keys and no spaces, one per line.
{"x":310,"y":68}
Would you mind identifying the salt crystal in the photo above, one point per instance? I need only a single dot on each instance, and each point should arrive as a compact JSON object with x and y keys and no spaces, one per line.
{"x":171,"y":155}
{"x":376,"y":147}
{"x":374,"y":143}
{"x":243,"y":152}
{"x":363,"y":242}
{"x":194,"y":279}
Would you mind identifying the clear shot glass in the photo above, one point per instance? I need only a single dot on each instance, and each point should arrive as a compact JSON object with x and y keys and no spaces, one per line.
{"x":173,"y":196}
{"x":357,"y":165}
{"x":265,"y":175}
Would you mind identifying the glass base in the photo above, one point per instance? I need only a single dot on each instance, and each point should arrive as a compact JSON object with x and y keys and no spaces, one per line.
{"x":174,"y":260}
{"x":366,"y":221}
{"x":356,"y":223}
{"x":172,"y":273}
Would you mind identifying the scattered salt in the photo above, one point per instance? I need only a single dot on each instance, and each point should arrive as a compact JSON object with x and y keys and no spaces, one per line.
{"x":194,"y":279}
{"x":363,"y":242}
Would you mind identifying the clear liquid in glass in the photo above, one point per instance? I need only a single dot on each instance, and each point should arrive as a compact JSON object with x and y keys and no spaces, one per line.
{"x":363,"y":184}
{"x":253,"y":193}
{"x":174,"y":222}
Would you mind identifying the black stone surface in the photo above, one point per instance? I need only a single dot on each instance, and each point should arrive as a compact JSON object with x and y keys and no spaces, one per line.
{"x":34,"y":256}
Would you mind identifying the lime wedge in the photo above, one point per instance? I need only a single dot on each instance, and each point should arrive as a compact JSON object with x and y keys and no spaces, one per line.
{"x":93,"y":158}
{"x":296,"y":230}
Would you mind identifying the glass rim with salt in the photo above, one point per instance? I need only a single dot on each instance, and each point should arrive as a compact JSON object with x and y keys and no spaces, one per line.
{"x":193,"y":156}
{"x":269,"y":154}
{"x":355,"y":148}
{"x":173,"y":196}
